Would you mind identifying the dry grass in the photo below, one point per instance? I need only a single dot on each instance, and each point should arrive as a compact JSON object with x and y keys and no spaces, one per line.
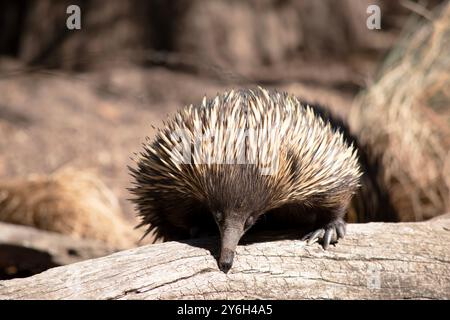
{"x":404,"y":117}
{"x":69,"y":201}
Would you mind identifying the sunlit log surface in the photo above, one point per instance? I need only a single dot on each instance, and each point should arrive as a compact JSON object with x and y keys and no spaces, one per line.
{"x":374,"y":261}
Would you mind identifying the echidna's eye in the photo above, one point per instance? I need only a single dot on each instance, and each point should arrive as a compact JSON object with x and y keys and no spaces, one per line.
{"x":219,"y":216}
{"x":249,"y":222}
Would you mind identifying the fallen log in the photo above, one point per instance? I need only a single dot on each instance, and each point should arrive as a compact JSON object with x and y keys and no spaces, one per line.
{"x":374,"y":261}
{"x":25,"y":251}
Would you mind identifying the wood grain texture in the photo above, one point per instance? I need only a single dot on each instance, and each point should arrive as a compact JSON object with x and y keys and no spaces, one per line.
{"x":374,"y":261}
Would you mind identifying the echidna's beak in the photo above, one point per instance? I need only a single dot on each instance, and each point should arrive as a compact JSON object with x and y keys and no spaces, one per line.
{"x":230,"y":239}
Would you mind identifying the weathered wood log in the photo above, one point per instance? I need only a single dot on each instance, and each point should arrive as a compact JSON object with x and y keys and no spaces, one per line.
{"x":374,"y":261}
{"x":27,"y":251}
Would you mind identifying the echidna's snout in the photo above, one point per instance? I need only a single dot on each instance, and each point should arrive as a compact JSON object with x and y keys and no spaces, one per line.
{"x":226,"y":260}
{"x":230,"y":240}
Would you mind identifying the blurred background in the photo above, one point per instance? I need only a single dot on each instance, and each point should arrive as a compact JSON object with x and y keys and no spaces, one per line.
{"x":87,"y":98}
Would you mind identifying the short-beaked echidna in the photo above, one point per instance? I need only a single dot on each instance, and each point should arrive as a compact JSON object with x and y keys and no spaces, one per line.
{"x":240,"y":156}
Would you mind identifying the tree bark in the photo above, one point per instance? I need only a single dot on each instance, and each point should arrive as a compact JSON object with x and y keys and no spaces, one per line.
{"x":374,"y":261}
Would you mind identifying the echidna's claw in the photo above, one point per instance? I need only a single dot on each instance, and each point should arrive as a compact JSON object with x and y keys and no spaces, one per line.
{"x":313,"y":236}
{"x":327,"y":235}
{"x":340,"y":229}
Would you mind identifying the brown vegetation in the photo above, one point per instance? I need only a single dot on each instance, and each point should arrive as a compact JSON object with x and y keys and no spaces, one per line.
{"x":404,"y":119}
{"x":71,"y":202}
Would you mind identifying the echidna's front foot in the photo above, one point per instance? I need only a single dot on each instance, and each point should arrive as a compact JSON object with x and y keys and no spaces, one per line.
{"x":331,"y":233}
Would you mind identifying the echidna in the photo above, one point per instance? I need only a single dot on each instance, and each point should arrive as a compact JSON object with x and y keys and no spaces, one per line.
{"x":244,"y":155}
